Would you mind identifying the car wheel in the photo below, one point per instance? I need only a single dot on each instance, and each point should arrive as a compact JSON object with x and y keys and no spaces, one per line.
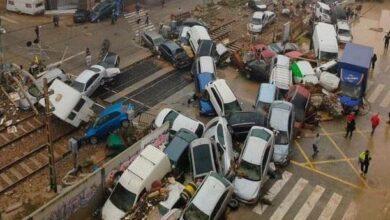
{"x":125,"y":124}
{"x":93,"y":140}
{"x":233,"y":204}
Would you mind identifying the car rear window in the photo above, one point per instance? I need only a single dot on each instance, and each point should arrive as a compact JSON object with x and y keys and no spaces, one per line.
{"x":260,"y":133}
{"x":171,"y":116}
{"x":202,"y":159}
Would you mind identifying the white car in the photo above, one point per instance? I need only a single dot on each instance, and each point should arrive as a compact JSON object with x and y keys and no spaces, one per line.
{"x":253,"y":164}
{"x":281,"y":118}
{"x":93,"y":77}
{"x":222,"y":97}
{"x":322,"y":12}
{"x":203,"y":156}
{"x":259,"y":20}
{"x":343,"y":31}
{"x":217,"y":130}
{"x":178,"y":121}
{"x":210,"y":199}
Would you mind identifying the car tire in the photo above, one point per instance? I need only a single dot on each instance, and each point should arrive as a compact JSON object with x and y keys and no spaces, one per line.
{"x":233,"y":204}
{"x":93,"y":140}
{"x":125,"y":124}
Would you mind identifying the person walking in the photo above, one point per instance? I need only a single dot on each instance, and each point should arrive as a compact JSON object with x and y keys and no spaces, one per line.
{"x":350,"y":128}
{"x":374,"y":122}
{"x":88,"y":57}
{"x":373,"y":60}
{"x":364,"y":160}
{"x":56,"y":20}
{"x":162,"y":3}
{"x":37,"y":33}
{"x":387,"y":40}
{"x":315,"y":145}
{"x":147,"y":19}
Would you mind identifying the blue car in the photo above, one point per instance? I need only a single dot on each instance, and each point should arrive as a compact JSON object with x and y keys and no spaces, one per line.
{"x":110,"y":119}
{"x":203,"y":72}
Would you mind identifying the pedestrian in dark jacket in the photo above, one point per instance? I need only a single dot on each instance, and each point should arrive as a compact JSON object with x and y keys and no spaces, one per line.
{"x":373,"y":60}
{"x":350,"y":128}
{"x":315,"y":145}
{"x":364,"y":160}
{"x":37,"y":33}
{"x":56,"y":20}
{"x":147,"y":19}
{"x":387,"y":40}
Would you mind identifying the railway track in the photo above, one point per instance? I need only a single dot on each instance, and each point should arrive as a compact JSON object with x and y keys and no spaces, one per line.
{"x":24,"y":127}
{"x":30,"y":163}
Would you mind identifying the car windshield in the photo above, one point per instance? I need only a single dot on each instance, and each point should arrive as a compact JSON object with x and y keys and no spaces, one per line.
{"x":281,"y":138}
{"x":249,"y":171}
{"x":122,"y":198}
{"x":34,"y":91}
{"x":194,"y":212}
{"x":261,"y":133}
{"x":232,"y":107}
{"x":172,"y":115}
{"x":78,"y":86}
{"x":344,"y":32}
{"x":257,"y":21}
{"x":202,"y":159}
{"x":328,"y":55}
{"x":350,"y":90}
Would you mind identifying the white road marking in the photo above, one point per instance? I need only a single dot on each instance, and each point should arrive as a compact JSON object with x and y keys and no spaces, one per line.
{"x":386,"y":101}
{"x":273,"y":192}
{"x":351,"y":212}
{"x":289,"y":200}
{"x":306,"y":209}
{"x":331,"y":207}
{"x":8,"y":20}
{"x":374,"y":95}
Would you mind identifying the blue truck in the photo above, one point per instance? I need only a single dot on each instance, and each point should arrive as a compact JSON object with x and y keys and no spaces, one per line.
{"x":354,"y":66}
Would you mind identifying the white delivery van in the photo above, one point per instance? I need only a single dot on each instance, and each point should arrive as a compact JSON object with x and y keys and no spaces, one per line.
{"x":196,"y":34}
{"x":151,"y":165}
{"x":32,"y":7}
{"x":69,"y":104}
{"x":325,"y":41}
{"x":281,"y":74}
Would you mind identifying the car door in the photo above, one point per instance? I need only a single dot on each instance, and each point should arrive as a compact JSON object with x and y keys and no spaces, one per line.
{"x":265,"y":162}
{"x":92,"y":84}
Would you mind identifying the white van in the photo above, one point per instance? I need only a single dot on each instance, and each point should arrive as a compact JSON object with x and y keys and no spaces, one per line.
{"x":325,"y":42}
{"x":32,"y":7}
{"x":69,"y":104}
{"x":151,"y":165}
{"x":281,"y":74}
{"x":322,"y":12}
{"x":195,"y":35}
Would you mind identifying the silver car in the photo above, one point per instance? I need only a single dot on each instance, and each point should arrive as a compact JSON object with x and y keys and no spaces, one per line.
{"x":281,"y":120}
{"x":202,"y":155}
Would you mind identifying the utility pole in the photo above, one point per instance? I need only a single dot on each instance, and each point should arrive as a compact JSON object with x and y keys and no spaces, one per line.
{"x":48,"y":113}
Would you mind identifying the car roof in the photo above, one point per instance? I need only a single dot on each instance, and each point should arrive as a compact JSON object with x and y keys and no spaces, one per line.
{"x":342,"y":25}
{"x":267,"y":92}
{"x":258,"y":14}
{"x":204,"y":79}
{"x":86,"y":74}
{"x":254,"y":147}
{"x":153,"y":34}
{"x":323,"y":5}
{"x":226,"y":93}
{"x":209,"y":193}
{"x":206,"y":64}
{"x":112,"y":108}
{"x":279,"y":113}
{"x":171,"y":45}
{"x":177,"y":146}
{"x":237,"y":118}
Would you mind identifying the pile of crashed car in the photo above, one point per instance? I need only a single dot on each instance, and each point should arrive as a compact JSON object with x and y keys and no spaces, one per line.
{"x":202,"y":169}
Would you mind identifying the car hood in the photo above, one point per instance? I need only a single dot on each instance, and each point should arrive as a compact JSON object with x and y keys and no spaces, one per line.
{"x":261,"y":7}
{"x":246,"y":189}
{"x":255,"y":28}
{"x":111,"y":212}
{"x":281,"y":153}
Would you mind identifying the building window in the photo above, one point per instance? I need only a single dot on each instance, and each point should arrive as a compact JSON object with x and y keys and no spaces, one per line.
{"x":28,"y":5}
{"x":11,"y":3}
{"x":39,"y":5}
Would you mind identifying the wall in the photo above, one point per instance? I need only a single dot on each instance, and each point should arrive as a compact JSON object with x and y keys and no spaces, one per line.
{"x":82,"y":199}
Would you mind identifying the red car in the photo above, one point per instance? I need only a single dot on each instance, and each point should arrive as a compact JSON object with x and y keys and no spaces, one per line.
{"x":299,"y":96}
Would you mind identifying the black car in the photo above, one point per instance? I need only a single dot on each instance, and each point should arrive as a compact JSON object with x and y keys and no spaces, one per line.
{"x":207,"y":48}
{"x":173,"y":53}
{"x":257,"y":70}
{"x":110,"y":60}
{"x":239,"y":123}
{"x":152,"y":40}
{"x":338,"y":13}
{"x":102,"y":11}
{"x":81,"y":16}
{"x":258,"y":5}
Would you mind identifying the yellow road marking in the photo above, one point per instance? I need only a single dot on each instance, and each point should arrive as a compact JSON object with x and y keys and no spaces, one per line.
{"x":330,"y":161}
{"x":345,"y":157}
{"x":328,"y":175}
{"x":362,"y":133}
{"x":304,"y":154}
